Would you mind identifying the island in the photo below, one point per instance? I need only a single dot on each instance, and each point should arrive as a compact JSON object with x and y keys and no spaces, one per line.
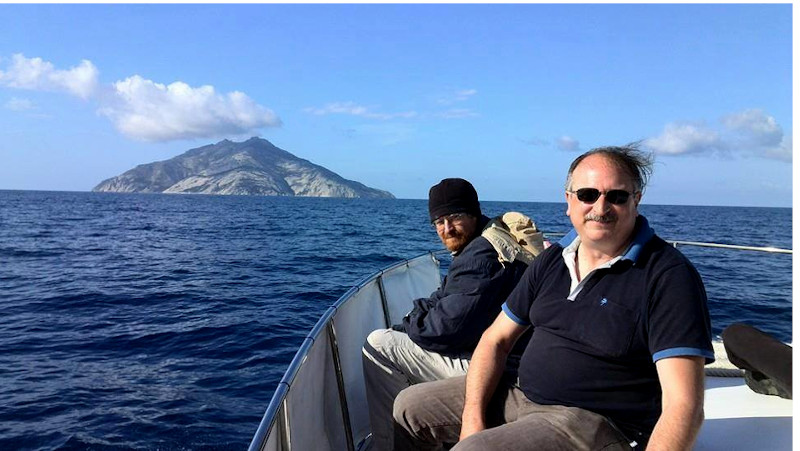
{"x":253,"y":167}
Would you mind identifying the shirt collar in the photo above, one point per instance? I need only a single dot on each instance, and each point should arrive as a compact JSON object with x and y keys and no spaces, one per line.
{"x":642,"y":234}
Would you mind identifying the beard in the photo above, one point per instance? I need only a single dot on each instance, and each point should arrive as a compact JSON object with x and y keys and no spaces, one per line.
{"x":455,"y":241}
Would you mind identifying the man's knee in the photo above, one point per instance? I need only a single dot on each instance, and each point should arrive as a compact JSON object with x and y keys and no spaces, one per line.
{"x":380,"y":356}
{"x":402,"y":403}
{"x":443,"y":399}
{"x":371,"y":350}
{"x":378,"y":339}
{"x":378,"y":347}
{"x":406,"y":405}
{"x":429,"y":413}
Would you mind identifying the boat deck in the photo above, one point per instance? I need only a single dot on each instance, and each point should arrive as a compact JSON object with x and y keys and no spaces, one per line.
{"x":739,"y":418}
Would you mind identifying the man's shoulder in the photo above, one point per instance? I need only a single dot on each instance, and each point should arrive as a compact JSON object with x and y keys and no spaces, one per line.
{"x":481,"y":254}
{"x":552,"y":253}
{"x":478,"y":253}
{"x":661,"y":253}
{"x":478,"y":248}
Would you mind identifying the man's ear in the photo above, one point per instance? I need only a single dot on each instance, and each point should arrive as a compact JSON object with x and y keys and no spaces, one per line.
{"x":566,"y":196}
{"x":636,"y":199}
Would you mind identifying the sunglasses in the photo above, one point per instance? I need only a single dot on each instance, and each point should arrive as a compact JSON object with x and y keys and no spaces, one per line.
{"x":614,"y":196}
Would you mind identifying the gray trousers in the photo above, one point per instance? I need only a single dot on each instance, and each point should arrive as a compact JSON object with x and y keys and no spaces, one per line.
{"x":428,"y":415}
{"x":391,"y":363}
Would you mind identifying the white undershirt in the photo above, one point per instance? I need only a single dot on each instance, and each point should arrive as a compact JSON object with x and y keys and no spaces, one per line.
{"x":570,"y":254}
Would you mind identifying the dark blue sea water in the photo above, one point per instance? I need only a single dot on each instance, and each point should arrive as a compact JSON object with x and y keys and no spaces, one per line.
{"x":165,"y":322}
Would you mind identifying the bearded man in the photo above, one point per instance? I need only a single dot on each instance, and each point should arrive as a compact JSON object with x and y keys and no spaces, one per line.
{"x":436,"y":339}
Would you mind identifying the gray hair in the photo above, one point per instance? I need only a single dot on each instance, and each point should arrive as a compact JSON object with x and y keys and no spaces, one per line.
{"x":638,"y":164}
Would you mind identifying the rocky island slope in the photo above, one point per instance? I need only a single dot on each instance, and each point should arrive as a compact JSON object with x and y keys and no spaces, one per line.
{"x":252,"y":167}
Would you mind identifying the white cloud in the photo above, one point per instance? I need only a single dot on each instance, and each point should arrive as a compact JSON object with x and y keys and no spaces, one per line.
{"x":568,"y":143}
{"x":457,"y":113}
{"x":338,"y":108}
{"x":140,"y":108}
{"x":755,"y":131}
{"x":150,"y":111}
{"x":37,"y":74}
{"x":782,"y":151}
{"x":466,"y":93}
{"x":457,"y":96}
{"x":682,"y":138}
{"x":747,"y":132}
{"x":17,"y":104}
{"x":754,"y":122}
{"x":354,"y":109}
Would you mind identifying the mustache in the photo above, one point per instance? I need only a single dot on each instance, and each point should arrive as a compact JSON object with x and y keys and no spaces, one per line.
{"x":453,"y":232}
{"x":606,"y":218}
{"x":454,"y":235}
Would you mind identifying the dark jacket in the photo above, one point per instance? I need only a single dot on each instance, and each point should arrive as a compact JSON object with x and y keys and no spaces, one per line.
{"x":453,"y":318}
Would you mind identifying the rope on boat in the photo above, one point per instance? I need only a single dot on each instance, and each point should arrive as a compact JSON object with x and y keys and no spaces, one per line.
{"x":722,"y":367}
{"x":724,"y":372}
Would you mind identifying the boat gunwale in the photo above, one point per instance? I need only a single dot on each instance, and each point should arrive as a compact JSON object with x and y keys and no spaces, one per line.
{"x":270,"y":416}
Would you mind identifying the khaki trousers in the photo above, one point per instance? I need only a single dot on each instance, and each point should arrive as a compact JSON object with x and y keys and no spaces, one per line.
{"x":391,"y":363}
{"x":428,"y":415}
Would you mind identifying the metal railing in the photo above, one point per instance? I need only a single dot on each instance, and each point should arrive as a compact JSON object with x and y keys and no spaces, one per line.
{"x":775,"y":250}
{"x":676,"y":243}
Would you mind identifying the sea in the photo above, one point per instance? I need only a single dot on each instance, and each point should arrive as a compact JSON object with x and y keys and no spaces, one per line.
{"x":164,"y":322}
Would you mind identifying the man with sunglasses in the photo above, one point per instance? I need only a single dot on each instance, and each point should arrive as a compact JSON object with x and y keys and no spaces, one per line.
{"x":436,"y":339}
{"x":621,"y":332}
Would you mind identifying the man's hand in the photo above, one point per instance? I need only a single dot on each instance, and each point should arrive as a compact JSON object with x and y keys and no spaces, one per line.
{"x":485,"y":370}
{"x":471,"y":427}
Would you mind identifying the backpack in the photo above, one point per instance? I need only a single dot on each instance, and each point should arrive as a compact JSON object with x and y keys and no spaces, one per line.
{"x":515,"y":237}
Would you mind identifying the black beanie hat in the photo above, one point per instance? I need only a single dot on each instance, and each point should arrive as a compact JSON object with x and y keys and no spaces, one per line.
{"x":453,"y":196}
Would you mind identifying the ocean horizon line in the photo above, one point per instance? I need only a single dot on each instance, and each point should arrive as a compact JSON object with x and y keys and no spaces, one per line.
{"x":371,"y":199}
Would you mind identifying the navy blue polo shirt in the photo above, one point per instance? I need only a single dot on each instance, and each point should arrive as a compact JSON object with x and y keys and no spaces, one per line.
{"x":598,"y":350}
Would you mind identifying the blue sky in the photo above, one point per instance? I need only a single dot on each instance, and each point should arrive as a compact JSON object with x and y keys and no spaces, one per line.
{"x":401,"y":96}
